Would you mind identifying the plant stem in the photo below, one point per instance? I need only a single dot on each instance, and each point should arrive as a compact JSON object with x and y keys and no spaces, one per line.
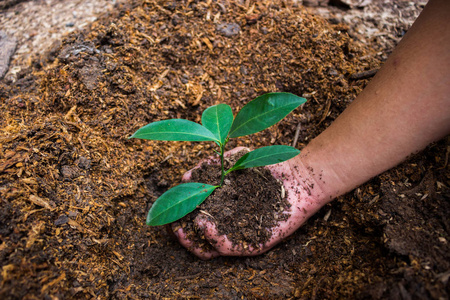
{"x":222,"y":151}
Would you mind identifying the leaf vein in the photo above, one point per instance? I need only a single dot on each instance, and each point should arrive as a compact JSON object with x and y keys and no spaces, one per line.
{"x":260,"y":116}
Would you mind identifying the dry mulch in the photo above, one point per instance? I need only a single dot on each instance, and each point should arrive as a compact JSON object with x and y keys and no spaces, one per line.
{"x":75,"y":191}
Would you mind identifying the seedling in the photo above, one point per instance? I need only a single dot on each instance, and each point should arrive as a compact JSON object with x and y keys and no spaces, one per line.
{"x":218,"y":125}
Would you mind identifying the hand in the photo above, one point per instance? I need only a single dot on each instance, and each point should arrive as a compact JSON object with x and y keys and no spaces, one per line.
{"x":303,"y":205}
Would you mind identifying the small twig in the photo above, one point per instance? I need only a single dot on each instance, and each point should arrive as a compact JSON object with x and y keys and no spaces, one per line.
{"x":446,"y":159}
{"x":325,"y":113}
{"x":327,"y":215}
{"x":363,"y":75}
{"x":283,"y":192}
{"x":297,"y":133}
{"x":206,"y":213}
{"x":259,"y":173}
{"x":167,"y":158}
{"x":187,"y":277}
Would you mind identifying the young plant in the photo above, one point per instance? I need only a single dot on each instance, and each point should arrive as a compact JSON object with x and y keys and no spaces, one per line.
{"x":218,"y":125}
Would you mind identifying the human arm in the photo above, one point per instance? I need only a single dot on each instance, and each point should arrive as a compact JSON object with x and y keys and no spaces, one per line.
{"x":404,"y":108}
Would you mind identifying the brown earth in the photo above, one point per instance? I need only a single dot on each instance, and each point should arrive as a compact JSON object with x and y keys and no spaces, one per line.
{"x":75,"y":192}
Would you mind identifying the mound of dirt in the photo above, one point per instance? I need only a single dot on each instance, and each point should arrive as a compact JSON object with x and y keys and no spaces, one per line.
{"x":75,"y":191}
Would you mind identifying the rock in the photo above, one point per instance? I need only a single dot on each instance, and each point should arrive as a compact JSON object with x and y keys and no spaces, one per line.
{"x":69,"y":172}
{"x":7,"y":48}
{"x":90,"y":75}
{"x":72,"y":51}
{"x":84,"y":163}
{"x":333,"y":72}
{"x":228,"y":29}
{"x":73,"y":214}
{"x":63,"y":219}
{"x":314,"y":3}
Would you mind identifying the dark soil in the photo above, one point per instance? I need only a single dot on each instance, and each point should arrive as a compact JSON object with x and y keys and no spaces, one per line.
{"x":75,"y":191}
{"x":245,"y":208}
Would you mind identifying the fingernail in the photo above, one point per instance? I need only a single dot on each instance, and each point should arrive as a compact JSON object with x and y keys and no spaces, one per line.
{"x":200,"y":221}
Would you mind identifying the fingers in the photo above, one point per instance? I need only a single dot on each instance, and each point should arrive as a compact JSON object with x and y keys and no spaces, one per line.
{"x":185,"y":242}
{"x":236,"y":150}
{"x":212,"y":160}
{"x":188,"y":174}
{"x":222,"y":244}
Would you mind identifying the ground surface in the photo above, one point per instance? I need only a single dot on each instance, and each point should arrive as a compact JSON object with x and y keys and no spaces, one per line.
{"x":75,"y":192}
{"x":36,"y":25}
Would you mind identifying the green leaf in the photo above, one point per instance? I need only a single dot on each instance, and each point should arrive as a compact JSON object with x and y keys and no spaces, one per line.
{"x":265,"y":156}
{"x":174,"y":130}
{"x":178,"y":202}
{"x":263,"y":112}
{"x":218,"y":120}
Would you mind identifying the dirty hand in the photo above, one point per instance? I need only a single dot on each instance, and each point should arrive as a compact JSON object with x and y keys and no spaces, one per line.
{"x":303,"y":205}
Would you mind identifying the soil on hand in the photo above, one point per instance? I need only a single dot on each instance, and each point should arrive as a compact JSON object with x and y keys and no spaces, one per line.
{"x":249,"y":204}
{"x":74,"y":191}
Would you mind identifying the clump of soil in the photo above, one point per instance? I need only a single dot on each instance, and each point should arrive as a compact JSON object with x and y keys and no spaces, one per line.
{"x":245,"y":208}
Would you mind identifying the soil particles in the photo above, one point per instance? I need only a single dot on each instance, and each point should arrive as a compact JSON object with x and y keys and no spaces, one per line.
{"x":75,"y":191}
{"x":245,"y":208}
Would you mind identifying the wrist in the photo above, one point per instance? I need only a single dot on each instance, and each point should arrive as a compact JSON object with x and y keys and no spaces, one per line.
{"x":320,"y":171}
{"x":310,"y":178}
